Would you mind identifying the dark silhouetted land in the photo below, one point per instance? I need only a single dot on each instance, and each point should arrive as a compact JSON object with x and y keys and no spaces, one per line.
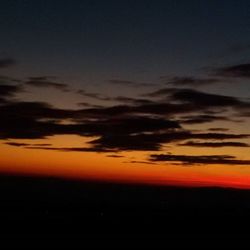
{"x":49,"y":206}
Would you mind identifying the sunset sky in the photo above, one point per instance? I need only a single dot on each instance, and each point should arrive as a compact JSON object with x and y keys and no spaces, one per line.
{"x":153,"y":92}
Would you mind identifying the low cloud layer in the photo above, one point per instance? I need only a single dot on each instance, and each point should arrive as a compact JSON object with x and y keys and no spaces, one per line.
{"x":130,"y":83}
{"x":190,"y":81}
{"x":214,"y":144}
{"x":235,"y":71}
{"x":45,"y":82}
{"x":201,"y":159}
{"x":147,"y":123}
{"x":7,"y":62}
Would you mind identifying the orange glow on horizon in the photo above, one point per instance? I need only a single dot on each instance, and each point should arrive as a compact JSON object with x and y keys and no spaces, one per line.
{"x":99,"y":167}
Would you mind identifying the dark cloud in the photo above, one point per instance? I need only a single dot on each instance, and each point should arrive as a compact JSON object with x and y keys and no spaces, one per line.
{"x":6,"y":62}
{"x":31,"y":120}
{"x":88,"y":105}
{"x":129,"y":134}
{"x":155,"y":141}
{"x":119,"y":99}
{"x":8,"y":80}
{"x":214,"y":144}
{"x":93,"y":95}
{"x":185,"y":135}
{"x":126,"y":143}
{"x":198,"y":119}
{"x":191,"y":81}
{"x":7,"y":91}
{"x":115,"y":156}
{"x":175,"y":101}
{"x":132,"y":125}
{"x":130,"y":83}
{"x":133,"y":101}
{"x":236,"y":71}
{"x":118,"y":127}
{"x":205,"y":99}
{"x":139,"y":124}
{"x":74,"y":149}
{"x":218,"y":129}
{"x":41,"y":144}
{"x":150,"y":108}
{"x":16,"y":144}
{"x":32,"y":110}
{"x":217,"y":136}
{"x":201,"y":99}
{"x":141,"y":162}
{"x":46,"y":82}
{"x":201,"y":159}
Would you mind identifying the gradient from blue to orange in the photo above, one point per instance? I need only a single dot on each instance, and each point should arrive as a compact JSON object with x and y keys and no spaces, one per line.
{"x":85,"y":44}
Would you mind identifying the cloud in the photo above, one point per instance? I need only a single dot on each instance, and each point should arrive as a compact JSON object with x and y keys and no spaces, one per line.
{"x":129,"y":134}
{"x":200,"y":159}
{"x":74,"y":149}
{"x":199,"y":119}
{"x":126,"y":143}
{"x":8,"y":80}
{"x":201,"y":99}
{"x":119,"y":99}
{"x":121,"y":128}
{"x":154,"y":141}
{"x":31,"y":120}
{"x":152,"y":108}
{"x":138,"y":124}
{"x":216,"y":136}
{"x":133,"y":101}
{"x":93,"y":95}
{"x":204,"y":99}
{"x":214,"y":144}
{"x":115,"y":156}
{"x":16,"y":144}
{"x":88,"y":105}
{"x":191,"y":81}
{"x":45,"y":82}
{"x":218,"y":129}
{"x":34,"y":120}
{"x":130,"y":83}
{"x":8,"y":91}
{"x":141,"y":162}
{"x":235,"y":71}
{"x":6,"y":62}
{"x":124,"y":140}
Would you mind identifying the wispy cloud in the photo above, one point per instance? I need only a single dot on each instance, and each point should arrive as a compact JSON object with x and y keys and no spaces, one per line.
{"x":191,"y":81}
{"x":131,"y":83}
{"x":214,"y":144}
{"x":46,"y":82}
{"x":8,"y":91}
{"x":7,"y":62}
{"x":200,"y":159}
{"x":234,"y":71}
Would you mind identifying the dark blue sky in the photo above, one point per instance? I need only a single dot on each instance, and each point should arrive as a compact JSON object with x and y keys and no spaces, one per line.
{"x":92,"y":41}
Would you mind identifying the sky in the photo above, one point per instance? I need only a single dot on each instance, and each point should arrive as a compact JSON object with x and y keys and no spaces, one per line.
{"x":153,"y":92}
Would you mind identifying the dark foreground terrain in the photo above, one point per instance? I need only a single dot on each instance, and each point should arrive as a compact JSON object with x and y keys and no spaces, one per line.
{"x":37,"y":207}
